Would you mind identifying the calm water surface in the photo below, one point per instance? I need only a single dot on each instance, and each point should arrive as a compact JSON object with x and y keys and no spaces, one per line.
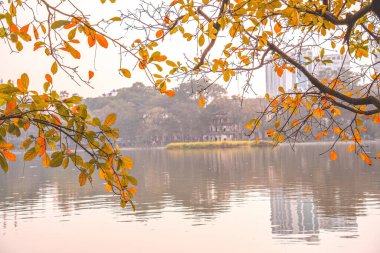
{"x":235,"y":200}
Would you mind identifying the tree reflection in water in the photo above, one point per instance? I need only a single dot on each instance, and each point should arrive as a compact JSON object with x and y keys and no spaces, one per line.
{"x":307,"y":193}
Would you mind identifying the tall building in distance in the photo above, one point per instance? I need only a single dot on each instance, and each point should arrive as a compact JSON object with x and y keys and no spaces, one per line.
{"x":273,"y":81}
{"x":338,"y":62}
{"x":288,"y":79}
{"x":299,"y":77}
{"x":376,"y":62}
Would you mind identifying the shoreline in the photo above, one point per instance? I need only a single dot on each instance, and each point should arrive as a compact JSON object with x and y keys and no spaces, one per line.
{"x":268,"y":144}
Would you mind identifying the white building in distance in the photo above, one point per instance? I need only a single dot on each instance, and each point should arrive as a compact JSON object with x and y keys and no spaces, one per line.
{"x":289,"y":79}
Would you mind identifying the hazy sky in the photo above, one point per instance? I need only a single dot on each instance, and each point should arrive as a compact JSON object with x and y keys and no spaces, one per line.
{"x":106,"y":63}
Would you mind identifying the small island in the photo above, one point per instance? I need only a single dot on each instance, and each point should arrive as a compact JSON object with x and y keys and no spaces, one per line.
{"x":219,"y":144}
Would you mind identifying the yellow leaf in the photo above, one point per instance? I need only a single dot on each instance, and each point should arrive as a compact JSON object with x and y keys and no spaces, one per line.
{"x":110,"y":119}
{"x":45,"y":160}
{"x":277,"y":28}
{"x":371,"y":27}
{"x":337,"y":129}
{"x":108,"y":187}
{"x":226,"y":76}
{"x":126,"y":73}
{"x":249,"y":126}
{"x":281,"y":138}
{"x":54,"y":68}
{"x":82,"y":179}
{"x":127,"y":162}
{"x":201,"y":40}
{"x":102,"y":175}
{"x":318,"y":112}
{"x":12,"y":10}
{"x":25,"y":80}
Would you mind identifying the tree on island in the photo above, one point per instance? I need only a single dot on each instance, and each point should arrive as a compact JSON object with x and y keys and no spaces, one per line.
{"x":232,"y":39}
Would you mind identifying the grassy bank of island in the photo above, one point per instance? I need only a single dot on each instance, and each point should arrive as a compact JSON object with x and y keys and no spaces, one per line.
{"x":218,"y":144}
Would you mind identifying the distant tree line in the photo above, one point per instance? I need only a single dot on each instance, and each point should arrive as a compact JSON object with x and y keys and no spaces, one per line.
{"x":147,"y":118}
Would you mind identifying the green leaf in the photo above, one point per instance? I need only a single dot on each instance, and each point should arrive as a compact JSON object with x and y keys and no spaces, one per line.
{"x":30,"y":154}
{"x":65,"y":162}
{"x":73,"y":100}
{"x":59,"y":23}
{"x":132,"y":180}
{"x":3,"y":163}
{"x":57,"y":159}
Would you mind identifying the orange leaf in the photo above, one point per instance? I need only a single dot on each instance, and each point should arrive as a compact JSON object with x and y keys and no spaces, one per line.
{"x":10,"y":156}
{"x":133,"y":190}
{"x":351,"y":148}
{"x":90,"y":75}
{"x":160,"y":58}
{"x":49,"y":78}
{"x":142,"y":64}
{"x":24,"y":29}
{"x":21,"y":86}
{"x":74,"y":53}
{"x":42,"y":143}
{"x":170,"y":93}
{"x":270,"y":132}
{"x":101,"y":40}
{"x":91,"y":40}
{"x":319,"y":136}
{"x":36,"y":35}
{"x":376,"y":119}
{"x":159,"y":33}
{"x":365,"y":158}
{"x":333,"y":155}
{"x":7,"y":146}
{"x":10,"y":107}
{"x":69,"y":26}
{"x":57,"y":120}
{"x":14,"y":28}
{"x":201,"y":101}
{"x":280,"y":71}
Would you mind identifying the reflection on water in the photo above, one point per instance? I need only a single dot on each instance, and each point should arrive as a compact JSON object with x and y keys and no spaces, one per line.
{"x":293,"y":198}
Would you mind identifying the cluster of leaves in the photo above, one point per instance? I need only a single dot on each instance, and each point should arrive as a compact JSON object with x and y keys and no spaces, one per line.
{"x":64,"y":127}
{"x":257,"y":33}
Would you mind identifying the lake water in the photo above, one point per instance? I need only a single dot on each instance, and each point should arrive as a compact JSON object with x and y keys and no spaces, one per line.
{"x":233,"y":200}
